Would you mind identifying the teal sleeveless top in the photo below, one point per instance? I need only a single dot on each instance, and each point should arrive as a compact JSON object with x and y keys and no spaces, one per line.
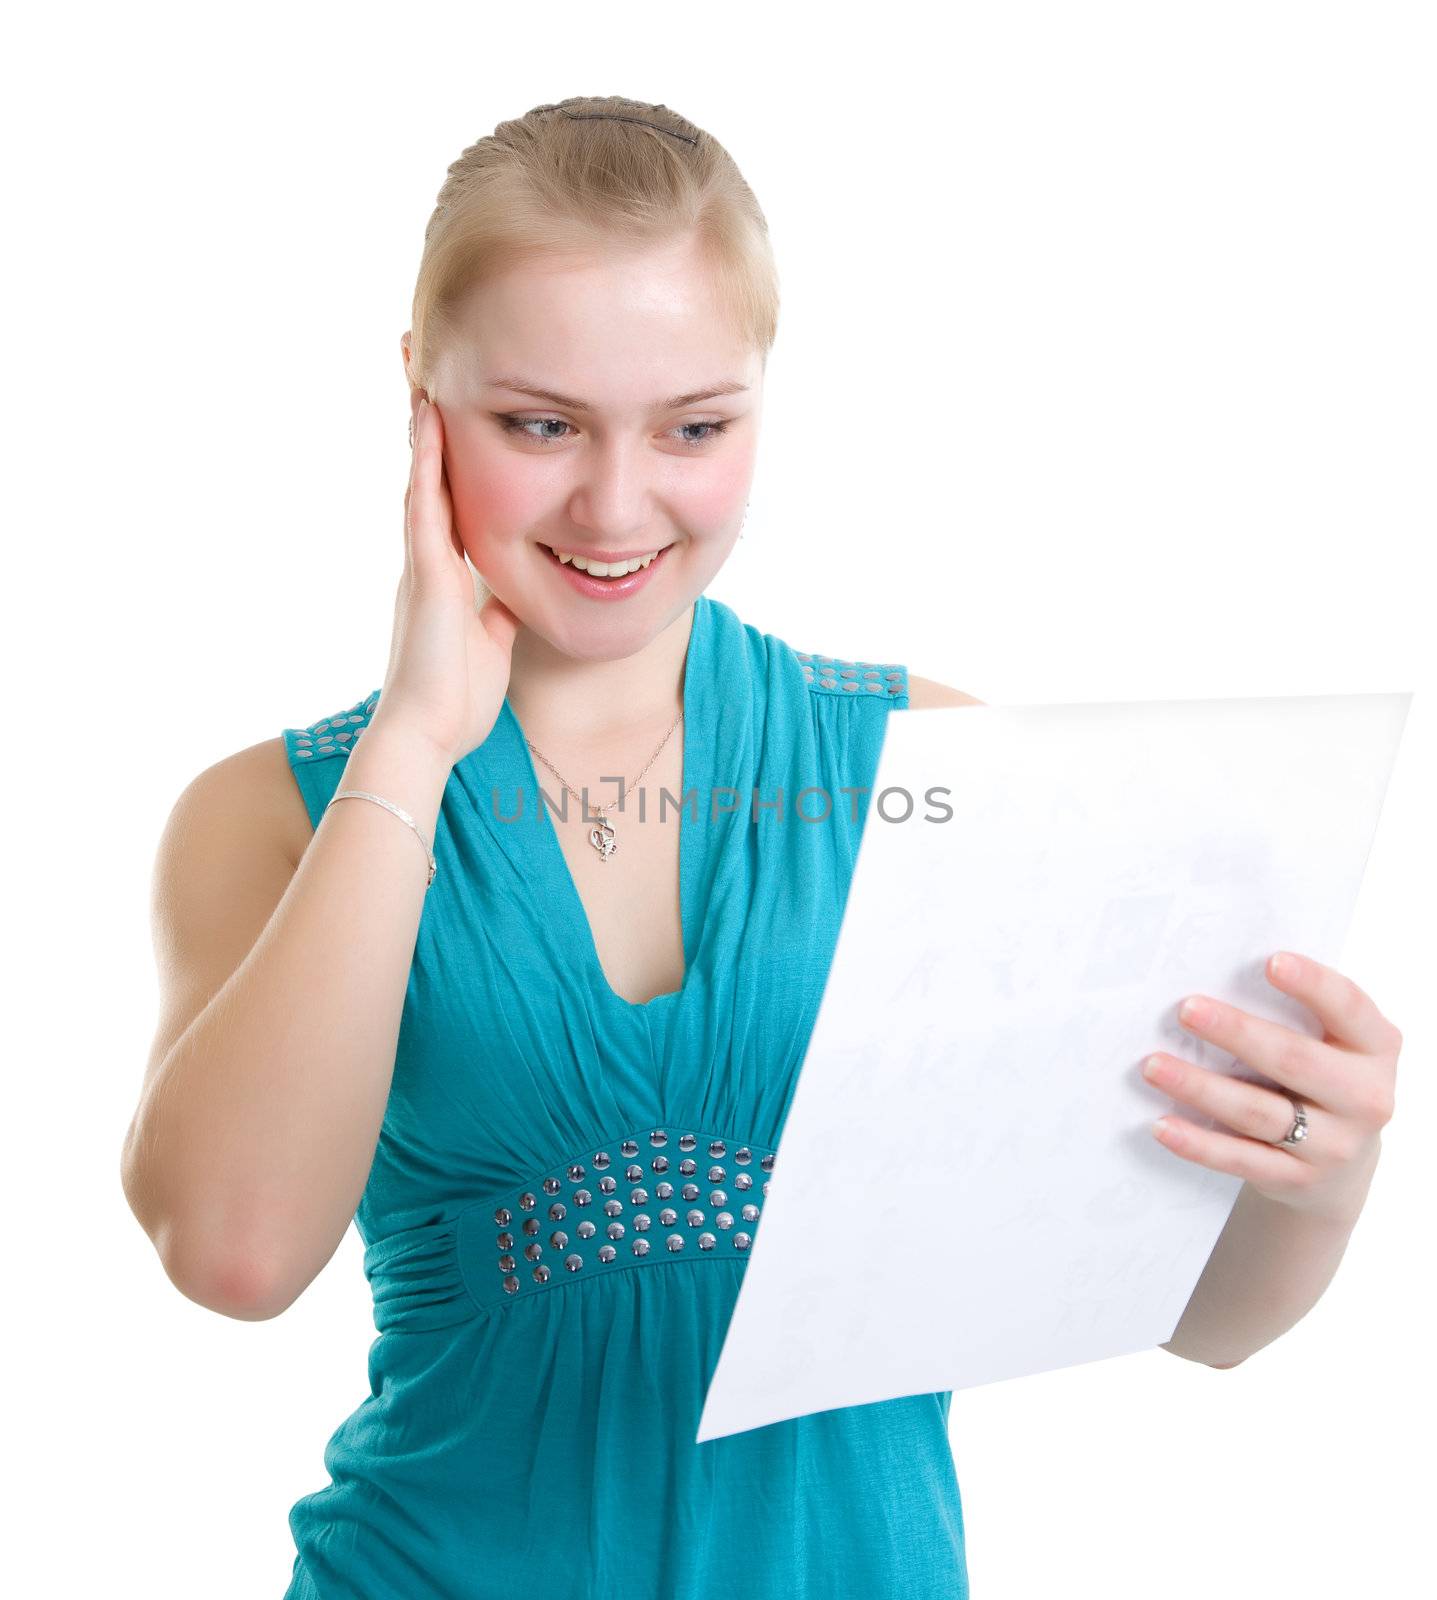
{"x":566,"y":1186}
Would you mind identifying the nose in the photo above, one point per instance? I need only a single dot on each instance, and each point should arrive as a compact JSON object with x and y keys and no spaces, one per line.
{"x":615,"y":497}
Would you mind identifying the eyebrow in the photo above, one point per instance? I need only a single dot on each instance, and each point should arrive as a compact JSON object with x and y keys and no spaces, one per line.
{"x":674,"y":403}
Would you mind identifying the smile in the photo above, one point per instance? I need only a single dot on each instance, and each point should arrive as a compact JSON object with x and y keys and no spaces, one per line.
{"x":606,"y":580}
{"x":605,"y":569}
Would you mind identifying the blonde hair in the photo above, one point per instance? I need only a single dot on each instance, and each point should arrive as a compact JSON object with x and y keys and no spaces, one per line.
{"x":584,"y":175}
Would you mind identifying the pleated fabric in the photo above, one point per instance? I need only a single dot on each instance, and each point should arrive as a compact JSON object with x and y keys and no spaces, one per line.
{"x":529,"y":1427}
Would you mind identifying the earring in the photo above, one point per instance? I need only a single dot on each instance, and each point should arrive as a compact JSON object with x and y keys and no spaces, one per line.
{"x":411,"y":430}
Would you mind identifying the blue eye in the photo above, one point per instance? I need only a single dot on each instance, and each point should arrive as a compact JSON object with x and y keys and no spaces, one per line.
{"x":521,"y":425}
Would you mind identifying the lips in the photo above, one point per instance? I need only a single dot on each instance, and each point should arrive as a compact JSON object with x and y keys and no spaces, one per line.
{"x":606,"y":588}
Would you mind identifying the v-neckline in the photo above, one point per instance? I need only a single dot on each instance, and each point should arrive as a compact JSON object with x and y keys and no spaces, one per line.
{"x":559,"y":879}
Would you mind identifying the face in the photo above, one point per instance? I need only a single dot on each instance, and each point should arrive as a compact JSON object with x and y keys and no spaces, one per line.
{"x":628,"y":455}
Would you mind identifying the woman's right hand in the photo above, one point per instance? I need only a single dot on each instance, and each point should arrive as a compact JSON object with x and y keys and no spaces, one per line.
{"x":449,"y":659}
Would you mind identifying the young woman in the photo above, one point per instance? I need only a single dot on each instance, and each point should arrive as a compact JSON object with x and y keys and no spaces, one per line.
{"x":543,"y":1058}
{"x":549,"y":1085}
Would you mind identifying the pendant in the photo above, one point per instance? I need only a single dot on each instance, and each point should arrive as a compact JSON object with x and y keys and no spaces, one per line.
{"x":603,"y":840}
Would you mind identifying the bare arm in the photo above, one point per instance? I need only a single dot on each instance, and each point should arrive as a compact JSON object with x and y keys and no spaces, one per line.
{"x":283,"y":962}
{"x":926,"y":694}
{"x":284,"y":953}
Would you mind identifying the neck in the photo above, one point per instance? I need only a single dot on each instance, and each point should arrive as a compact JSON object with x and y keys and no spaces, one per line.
{"x":576,"y":703}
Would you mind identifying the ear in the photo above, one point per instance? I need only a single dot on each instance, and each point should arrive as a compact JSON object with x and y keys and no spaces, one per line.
{"x":414,"y":393}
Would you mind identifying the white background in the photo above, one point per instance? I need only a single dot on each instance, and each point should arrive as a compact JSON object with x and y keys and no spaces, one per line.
{"x":1105,"y":371}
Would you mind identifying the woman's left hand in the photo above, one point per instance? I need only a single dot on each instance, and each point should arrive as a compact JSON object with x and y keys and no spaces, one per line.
{"x":1346,"y":1082}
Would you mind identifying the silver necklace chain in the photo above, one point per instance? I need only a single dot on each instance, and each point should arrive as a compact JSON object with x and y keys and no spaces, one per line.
{"x":602,"y":837}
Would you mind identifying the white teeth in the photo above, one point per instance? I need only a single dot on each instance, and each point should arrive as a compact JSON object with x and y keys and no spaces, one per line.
{"x":605,"y":569}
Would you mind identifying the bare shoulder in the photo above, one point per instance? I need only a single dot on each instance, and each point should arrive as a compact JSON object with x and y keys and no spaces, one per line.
{"x":924,"y":694}
{"x":227,"y":852}
{"x":249,"y":795}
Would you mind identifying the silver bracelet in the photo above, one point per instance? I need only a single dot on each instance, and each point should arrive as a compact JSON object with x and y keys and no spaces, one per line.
{"x":399,"y":811}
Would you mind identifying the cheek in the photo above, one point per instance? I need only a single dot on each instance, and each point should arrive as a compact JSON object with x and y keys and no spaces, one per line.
{"x":494,"y":491}
{"x":719,"y":495}
{"x":724,"y":492}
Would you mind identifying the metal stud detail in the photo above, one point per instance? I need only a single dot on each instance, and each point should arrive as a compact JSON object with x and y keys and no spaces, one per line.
{"x":624,"y":1234}
{"x":834,"y":677}
{"x":331,"y":736}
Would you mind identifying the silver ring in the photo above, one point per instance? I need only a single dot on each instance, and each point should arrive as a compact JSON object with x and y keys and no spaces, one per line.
{"x":1298,"y":1131}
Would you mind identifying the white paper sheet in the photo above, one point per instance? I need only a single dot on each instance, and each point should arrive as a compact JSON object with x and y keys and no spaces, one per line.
{"x":967,"y":1188}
